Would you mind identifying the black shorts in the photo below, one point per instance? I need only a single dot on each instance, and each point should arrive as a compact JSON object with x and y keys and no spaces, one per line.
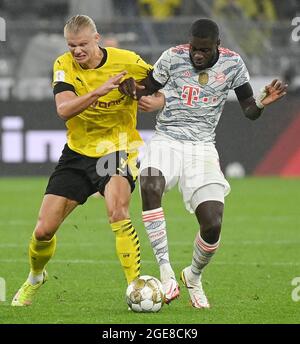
{"x":76,"y":176}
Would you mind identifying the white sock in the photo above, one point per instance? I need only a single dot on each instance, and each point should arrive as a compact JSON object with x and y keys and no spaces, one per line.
{"x":203,"y":252}
{"x":166,"y":272}
{"x":34,"y":279}
{"x":155,"y":224}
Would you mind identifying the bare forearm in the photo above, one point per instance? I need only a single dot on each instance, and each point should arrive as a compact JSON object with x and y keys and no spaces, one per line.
{"x":76,"y":105}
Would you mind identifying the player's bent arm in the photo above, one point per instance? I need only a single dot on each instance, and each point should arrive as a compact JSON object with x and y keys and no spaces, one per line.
{"x":68,"y":104}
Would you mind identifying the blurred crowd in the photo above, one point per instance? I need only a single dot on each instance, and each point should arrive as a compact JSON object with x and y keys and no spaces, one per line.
{"x":160,"y":9}
{"x":255,"y":28}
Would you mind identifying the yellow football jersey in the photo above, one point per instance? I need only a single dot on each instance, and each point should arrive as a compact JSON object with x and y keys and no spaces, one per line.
{"x":111,"y":124}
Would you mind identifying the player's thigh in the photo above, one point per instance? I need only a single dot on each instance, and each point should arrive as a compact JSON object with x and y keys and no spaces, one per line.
{"x":70,"y":183}
{"x":161,"y":155}
{"x":201,"y":167}
{"x":119,"y":163}
{"x":213,"y":195}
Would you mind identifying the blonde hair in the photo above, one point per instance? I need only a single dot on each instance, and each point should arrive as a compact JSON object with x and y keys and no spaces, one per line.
{"x":76,"y":23}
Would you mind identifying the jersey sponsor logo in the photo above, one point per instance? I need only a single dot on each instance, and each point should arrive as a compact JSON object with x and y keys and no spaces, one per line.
{"x":190,"y":94}
{"x":59,"y":76}
{"x":209,"y":100}
{"x":108,"y":104}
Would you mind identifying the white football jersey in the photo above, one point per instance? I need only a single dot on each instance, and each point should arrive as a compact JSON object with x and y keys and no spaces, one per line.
{"x":195,"y":99}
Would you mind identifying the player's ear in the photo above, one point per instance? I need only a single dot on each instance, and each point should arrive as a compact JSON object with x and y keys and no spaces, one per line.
{"x":97,"y":37}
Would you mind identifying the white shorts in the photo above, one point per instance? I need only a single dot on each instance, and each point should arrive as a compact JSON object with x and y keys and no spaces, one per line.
{"x":191,"y":165}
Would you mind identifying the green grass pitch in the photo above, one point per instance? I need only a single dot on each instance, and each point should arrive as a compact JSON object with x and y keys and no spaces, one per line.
{"x":248,"y":281}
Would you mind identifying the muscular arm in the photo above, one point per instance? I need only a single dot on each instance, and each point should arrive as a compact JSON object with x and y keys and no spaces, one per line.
{"x":68,"y":104}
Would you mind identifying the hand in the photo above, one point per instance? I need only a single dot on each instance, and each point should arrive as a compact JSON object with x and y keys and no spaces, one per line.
{"x":110,"y":84}
{"x":275,"y":91}
{"x":129,"y":88}
{"x":151,"y":103}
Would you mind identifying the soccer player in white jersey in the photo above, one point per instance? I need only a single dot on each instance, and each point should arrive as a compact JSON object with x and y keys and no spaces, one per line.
{"x":196,"y":78}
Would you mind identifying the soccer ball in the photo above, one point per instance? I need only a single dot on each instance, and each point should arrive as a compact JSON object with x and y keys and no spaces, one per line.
{"x":145,"y":294}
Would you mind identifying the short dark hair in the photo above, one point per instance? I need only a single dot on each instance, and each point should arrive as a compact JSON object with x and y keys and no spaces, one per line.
{"x":205,"y":28}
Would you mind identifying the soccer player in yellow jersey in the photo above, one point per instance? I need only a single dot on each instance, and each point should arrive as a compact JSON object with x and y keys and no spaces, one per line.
{"x":101,"y":150}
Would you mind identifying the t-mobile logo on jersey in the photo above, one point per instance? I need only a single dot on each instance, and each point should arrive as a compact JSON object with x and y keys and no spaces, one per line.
{"x":190,"y":94}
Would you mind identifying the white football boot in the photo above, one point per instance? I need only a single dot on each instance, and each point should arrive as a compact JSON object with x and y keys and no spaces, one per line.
{"x":197,"y":295}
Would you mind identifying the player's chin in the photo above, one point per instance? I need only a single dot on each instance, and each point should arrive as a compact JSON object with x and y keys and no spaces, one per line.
{"x":200,"y":65}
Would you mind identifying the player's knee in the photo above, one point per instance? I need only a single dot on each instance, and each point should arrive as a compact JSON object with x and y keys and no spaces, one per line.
{"x":152,"y":188}
{"x":118,"y":213}
{"x":45,"y":230}
{"x":210,"y":233}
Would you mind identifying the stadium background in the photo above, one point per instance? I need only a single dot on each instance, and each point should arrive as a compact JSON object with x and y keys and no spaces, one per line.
{"x":249,"y":280}
{"x":261,"y":31}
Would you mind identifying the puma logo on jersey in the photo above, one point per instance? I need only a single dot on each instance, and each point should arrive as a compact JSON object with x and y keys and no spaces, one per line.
{"x":79,"y":80}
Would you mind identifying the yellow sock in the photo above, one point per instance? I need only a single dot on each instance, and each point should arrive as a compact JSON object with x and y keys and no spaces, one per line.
{"x":128,"y":248}
{"x":40,"y":253}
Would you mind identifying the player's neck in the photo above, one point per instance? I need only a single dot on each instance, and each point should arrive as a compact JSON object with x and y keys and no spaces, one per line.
{"x":95,"y":60}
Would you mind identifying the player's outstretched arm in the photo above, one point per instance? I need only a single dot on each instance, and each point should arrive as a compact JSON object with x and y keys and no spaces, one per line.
{"x":152,"y":103}
{"x":253,"y":107}
{"x":68,"y":104}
